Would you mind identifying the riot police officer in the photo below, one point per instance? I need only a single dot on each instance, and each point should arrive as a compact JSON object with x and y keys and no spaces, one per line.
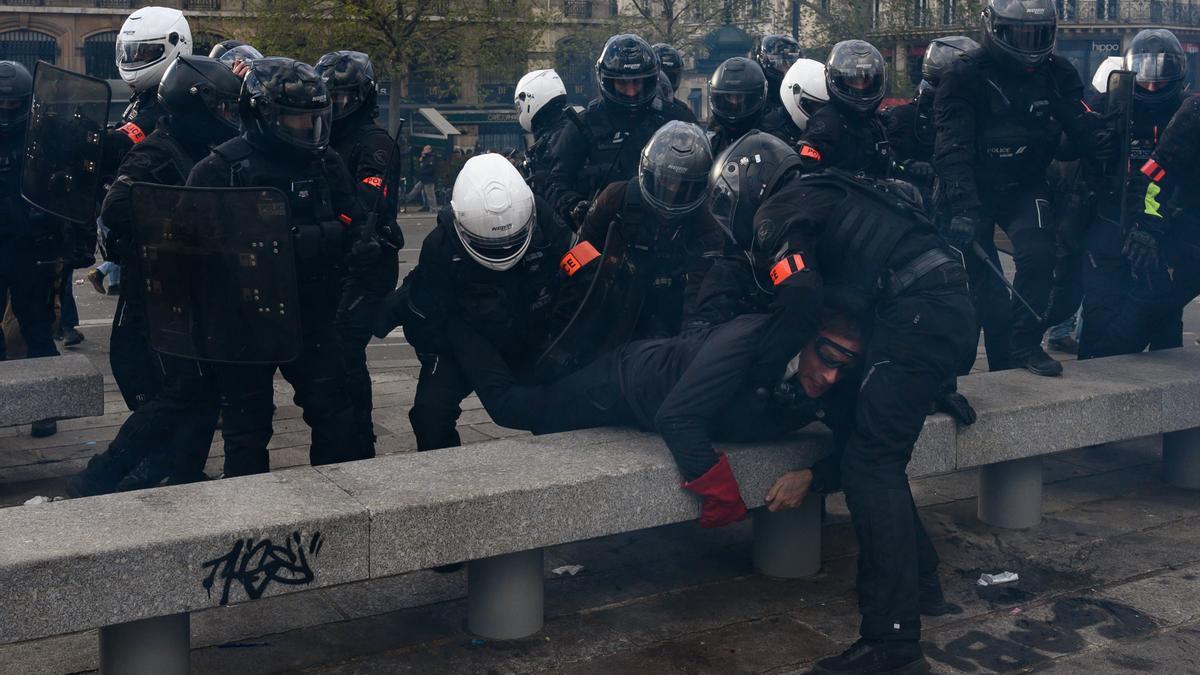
{"x":909,"y":127}
{"x":374,"y":164}
{"x":775,"y":54}
{"x":1127,"y":309}
{"x":615,"y":127}
{"x":541,"y":102}
{"x":656,"y":250}
{"x":737,"y":94}
{"x":29,"y":238}
{"x":803,"y":92}
{"x":284,"y":144}
{"x":848,"y":134}
{"x":168,"y":436}
{"x":670,"y":63}
{"x":148,"y":43}
{"x":490,"y":262}
{"x":999,"y":115}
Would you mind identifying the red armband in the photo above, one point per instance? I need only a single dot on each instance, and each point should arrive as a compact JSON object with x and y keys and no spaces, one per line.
{"x":1153,"y":171}
{"x":133,"y":131}
{"x":786,"y":268}
{"x":577,"y":257}
{"x":346,"y":220}
{"x":810,"y":152}
{"x":373,"y":181}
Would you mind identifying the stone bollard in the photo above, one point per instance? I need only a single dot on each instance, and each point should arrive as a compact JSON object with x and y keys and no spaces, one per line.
{"x":158,"y":646}
{"x":1181,"y":458}
{"x":1010,"y":493}
{"x":787,"y":544}
{"x":504,"y":595}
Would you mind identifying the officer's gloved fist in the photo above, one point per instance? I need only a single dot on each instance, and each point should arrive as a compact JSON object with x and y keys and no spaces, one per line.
{"x":579,"y":212}
{"x":391,"y":312}
{"x":961,"y":231}
{"x":918,"y":170}
{"x":364,"y":253}
{"x":723,"y":503}
{"x":1141,"y":249}
{"x":956,"y":406}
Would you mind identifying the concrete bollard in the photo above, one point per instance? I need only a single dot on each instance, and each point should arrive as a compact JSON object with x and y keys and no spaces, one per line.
{"x":1010,"y":493}
{"x":787,"y":544}
{"x":1181,"y":458}
{"x":158,"y":646}
{"x":505,"y":594}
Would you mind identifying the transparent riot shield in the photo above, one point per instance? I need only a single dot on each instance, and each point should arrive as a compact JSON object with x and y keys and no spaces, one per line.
{"x":219,"y":271}
{"x":64,"y":143}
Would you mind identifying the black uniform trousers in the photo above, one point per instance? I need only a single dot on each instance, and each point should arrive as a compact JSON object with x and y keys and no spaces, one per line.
{"x":918,"y":340}
{"x":30,"y":289}
{"x":168,"y":436}
{"x":134,"y":365}
{"x":355,"y":317}
{"x":1024,"y":215}
{"x":319,"y":379}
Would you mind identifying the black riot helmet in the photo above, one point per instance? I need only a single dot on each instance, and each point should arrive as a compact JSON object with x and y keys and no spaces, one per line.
{"x":669,"y":61}
{"x":627,"y":71}
{"x":350,"y":79}
{"x":201,"y":96}
{"x":942,"y":53}
{"x":673,"y":170}
{"x":737,"y":92}
{"x":244,"y":53}
{"x":223,"y":46}
{"x":16,"y":93}
{"x":284,"y":103}
{"x":1020,"y":32}
{"x":856,"y":76}
{"x":1158,"y":63}
{"x":742,"y":178}
{"x":776,"y":54}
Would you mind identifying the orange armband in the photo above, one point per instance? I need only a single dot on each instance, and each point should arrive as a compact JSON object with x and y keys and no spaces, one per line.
{"x":133,"y":131}
{"x":579,"y":256}
{"x":786,"y":268}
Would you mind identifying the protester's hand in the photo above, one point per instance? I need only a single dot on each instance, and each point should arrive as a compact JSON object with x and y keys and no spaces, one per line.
{"x":789,"y":490}
{"x":1141,"y":248}
{"x":240,"y":68}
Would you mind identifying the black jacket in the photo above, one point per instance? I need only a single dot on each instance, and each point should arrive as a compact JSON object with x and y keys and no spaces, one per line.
{"x":374,"y":164}
{"x":836,"y":140}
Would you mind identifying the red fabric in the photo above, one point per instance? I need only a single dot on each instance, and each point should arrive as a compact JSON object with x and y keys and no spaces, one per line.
{"x":786,"y":268}
{"x":578,"y":257}
{"x":723,"y":503}
{"x":133,"y":131}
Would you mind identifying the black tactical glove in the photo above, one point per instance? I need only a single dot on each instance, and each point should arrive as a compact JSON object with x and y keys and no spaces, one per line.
{"x":579,"y":213}
{"x":1141,"y":248}
{"x":956,"y":406}
{"x":960,"y":233}
{"x":917,"y":170}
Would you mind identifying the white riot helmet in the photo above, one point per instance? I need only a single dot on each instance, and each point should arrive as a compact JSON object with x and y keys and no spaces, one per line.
{"x":535,"y":91}
{"x":1106,"y":67}
{"x":149,"y":41}
{"x":803,"y":90}
{"x":493,"y":211}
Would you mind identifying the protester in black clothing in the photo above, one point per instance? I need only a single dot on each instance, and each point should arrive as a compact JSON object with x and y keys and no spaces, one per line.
{"x":604,"y":148}
{"x":286,"y":112}
{"x":691,"y":389}
{"x":999,"y":114}
{"x":775,"y":54}
{"x":168,"y":436}
{"x":737,"y":94}
{"x":848,"y":134}
{"x":373,"y":160}
{"x":490,"y":262}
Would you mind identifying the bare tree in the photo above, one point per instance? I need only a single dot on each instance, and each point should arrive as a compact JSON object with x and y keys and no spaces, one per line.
{"x":683,"y":23}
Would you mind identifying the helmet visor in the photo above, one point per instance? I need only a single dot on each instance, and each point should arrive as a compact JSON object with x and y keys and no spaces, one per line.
{"x":861,"y":86}
{"x":303,"y":127}
{"x":135,"y":55}
{"x":1160,"y":68}
{"x":1026,"y":38}
{"x":345,"y":101}
{"x":736,"y":105}
{"x":502,"y":251}
{"x":631,"y":91}
{"x":722,"y":204}
{"x":14,"y":110}
{"x":243,"y":53}
{"x":781,"y":61}
{"x":807,"y":105}
{"x":672,"y":193}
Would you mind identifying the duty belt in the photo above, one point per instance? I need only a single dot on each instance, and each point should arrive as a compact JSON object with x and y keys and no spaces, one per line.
{"x":894,"y":282}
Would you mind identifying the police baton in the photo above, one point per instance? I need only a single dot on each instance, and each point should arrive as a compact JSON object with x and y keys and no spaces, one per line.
{"x":983,"y":256}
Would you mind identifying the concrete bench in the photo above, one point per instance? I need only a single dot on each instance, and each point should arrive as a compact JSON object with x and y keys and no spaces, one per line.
{"x":136,"y":564}
{"x":55,"y":387}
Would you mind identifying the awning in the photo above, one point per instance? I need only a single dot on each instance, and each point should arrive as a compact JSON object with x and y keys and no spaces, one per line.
{"x":429,"y":123}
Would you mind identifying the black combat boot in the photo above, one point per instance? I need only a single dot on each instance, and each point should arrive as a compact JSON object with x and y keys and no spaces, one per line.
{"x":876,"y":656}
{"x":1037,"y":361}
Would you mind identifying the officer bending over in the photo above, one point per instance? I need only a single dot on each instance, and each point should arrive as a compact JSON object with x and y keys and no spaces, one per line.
{"x":286,"y":114}
{"x":169,"y":435}
{"x":491,"y":262}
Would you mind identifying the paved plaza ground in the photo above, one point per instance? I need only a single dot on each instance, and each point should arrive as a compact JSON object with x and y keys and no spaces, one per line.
{"x":1109,"y":582}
